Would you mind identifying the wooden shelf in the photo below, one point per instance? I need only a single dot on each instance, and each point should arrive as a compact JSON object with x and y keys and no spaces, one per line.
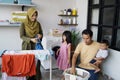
{"x":68,"y":24}
{"x":68,"y":15}
{"x":68,"y":20}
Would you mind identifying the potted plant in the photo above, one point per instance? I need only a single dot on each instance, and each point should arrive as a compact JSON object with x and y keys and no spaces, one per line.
{"x":75,"y":38}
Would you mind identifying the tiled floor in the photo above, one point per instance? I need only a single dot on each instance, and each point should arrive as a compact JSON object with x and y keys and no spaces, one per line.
{"x":56,"y":74}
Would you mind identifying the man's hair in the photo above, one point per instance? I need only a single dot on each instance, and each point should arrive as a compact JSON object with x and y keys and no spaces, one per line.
{"x":87,"y":32}
{"x":104,"y":41}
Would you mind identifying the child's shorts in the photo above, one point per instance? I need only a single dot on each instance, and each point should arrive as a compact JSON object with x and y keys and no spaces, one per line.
{"x":93,"y":61}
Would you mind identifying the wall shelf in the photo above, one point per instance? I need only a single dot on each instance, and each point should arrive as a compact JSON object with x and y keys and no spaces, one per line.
{"x":3,"y":24}
{"x":11,"y":25}
{"x":68,"y":24}
{"x":68,"y":20}
{"x":21,"y":5}
{"x":68,"y":15}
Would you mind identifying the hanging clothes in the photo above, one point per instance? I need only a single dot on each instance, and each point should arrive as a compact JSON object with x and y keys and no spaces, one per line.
{"x":19,"y":65}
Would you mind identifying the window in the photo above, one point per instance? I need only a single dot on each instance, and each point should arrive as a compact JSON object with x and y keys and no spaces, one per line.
{"x":104,"y":17}
{"x":107,"y":34}
{"x":95,"y":16}
{"x":108,"y":16}
{"x":95,"y":1}
{"x":118,"y":39}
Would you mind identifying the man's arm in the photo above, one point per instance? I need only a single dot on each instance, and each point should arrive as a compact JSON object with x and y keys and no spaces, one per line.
{"x":74,"y":58}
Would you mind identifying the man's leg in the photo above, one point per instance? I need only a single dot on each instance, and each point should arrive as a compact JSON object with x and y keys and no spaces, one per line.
{"x":93,"y":75}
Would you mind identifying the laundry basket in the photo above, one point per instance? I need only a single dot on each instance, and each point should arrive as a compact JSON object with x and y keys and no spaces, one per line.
{"x":81,"y":74}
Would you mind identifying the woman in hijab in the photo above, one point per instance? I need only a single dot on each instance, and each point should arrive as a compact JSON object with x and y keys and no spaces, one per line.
{"x":28,"y":31}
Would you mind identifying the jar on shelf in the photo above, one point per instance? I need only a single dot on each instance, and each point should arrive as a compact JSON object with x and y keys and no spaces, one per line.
{"x":74,"y":21}
{"x":65,"y":12}
{"x":69,"y":11}
{"x":61,"y":12}
{"x":69,"y":21}
{"x":74,"y":11}
{"x":61,"y":21}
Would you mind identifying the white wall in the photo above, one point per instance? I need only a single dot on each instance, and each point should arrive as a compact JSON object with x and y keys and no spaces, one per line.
{"x":48,"y":17}
{"x":5,"y":11}
{"x":9,"y":36}
{"x":49,"y":11}
{"x":82,"y":14}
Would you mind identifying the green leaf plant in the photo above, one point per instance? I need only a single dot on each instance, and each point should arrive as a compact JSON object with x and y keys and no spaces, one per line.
{"x":75,"y":38}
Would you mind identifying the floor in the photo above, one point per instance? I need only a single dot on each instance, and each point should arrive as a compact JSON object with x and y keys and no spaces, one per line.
{"x":56,"y":73}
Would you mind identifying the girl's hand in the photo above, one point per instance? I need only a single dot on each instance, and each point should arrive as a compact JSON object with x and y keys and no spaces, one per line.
{"x":68,"y":61}
{"x":57,"y":53}
{"x":34,"y":40}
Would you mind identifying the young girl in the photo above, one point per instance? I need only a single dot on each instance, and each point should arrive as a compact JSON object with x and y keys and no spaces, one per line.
{"x":63,"y":60}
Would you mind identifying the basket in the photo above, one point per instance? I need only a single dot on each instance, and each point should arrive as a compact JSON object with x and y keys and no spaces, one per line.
{"x":81,"y":74}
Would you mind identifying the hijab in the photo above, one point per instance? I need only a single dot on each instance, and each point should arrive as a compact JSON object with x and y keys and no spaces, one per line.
{"x":31,"y":27}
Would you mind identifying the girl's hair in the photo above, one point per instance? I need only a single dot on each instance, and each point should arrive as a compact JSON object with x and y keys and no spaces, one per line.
{"x":68,"y":36}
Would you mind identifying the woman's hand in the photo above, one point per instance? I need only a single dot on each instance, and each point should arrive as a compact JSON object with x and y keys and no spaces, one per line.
{"x":39,"y":36}
{"x":34,"y":40}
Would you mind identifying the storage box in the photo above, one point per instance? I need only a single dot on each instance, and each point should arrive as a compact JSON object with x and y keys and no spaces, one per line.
{"x":24,"y":1}
{"x":81,"y":74}
{"x":6,"y":1}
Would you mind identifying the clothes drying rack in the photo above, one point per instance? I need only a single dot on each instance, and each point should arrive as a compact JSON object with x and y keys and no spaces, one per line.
{"x":46,"y":52}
